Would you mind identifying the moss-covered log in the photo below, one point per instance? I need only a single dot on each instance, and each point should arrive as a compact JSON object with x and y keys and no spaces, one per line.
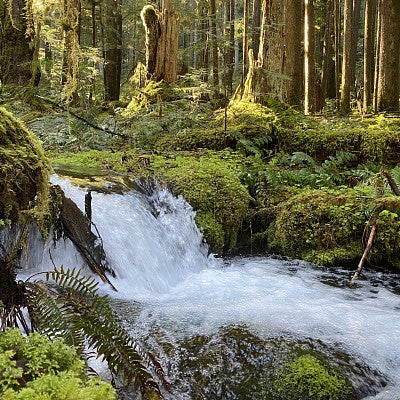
{"x":24,"y":173}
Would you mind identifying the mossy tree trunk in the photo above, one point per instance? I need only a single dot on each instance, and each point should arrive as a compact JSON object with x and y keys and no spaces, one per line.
{"x":16,"y":52}
{"x":71,"y":56}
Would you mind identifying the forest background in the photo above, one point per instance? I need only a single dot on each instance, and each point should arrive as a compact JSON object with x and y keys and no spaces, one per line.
{"x":254,"y":92}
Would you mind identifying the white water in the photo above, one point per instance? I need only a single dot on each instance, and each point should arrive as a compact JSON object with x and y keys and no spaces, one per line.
{"x":162,"y":264}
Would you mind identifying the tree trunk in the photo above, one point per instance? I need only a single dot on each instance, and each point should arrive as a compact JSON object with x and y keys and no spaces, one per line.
{"x":71,"y":54}
{"x":229,"y":47}
{"x":389,"y":56}
{"x":167,"y":49}
{"x":245,"y":59}
{"x":347,"y":56}
{"x":16,"y":52}
{"x":369,"y":28}
{"x":337,"y":51}
{"x":327,"y":51}
{"x":112,"y":49}
{"x":309,"y":58}
{"x":255,"y":34}
{"x":293,"y":52}
{"x":214,"y":44}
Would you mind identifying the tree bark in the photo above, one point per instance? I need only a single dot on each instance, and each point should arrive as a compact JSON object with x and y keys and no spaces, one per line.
{"x":309,"y":58}
{"x":16,"y":52}
{"x":255,"y":34}
{"x":245,"y":59}
{"x":347,"y":57}
{"x":293,"y":52}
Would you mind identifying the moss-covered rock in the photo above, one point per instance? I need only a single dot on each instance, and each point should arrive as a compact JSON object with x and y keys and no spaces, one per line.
{"x":326,"y":227}
{"x":307,"y":378}
{"x":24,"y":170}
{"x":211,"y":185}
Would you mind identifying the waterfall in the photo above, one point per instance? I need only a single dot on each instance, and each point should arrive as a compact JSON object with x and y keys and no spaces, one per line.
{"x":168,"y":283}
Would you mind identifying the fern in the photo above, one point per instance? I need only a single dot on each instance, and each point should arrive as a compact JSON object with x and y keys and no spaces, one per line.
{"x":67,"y":304}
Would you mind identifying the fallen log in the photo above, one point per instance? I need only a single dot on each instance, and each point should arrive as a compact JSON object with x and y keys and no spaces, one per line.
{"x":78,"y":228}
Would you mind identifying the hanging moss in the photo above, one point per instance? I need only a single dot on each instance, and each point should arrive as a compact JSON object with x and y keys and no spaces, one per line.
{"x":24,"y":170}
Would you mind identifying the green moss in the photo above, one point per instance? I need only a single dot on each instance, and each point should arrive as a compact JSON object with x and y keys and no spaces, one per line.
{"x":322,"y":226}
{"x":24,"y":168}
{"x":309,"y":379}
{"x":210,"y":184}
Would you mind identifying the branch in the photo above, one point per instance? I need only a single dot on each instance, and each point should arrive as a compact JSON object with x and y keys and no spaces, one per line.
{"x":92,"y":125}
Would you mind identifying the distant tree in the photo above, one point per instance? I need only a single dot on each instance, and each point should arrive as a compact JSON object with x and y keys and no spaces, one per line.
{"x":16,"y":43}
{"x":309,"y":57}
{"x":369,"y":27}
{"x":214,"y":44}
{"x":389,"y":56}
{"x":347,"y":56}
{"x":245,"y":59}
{"x":112,"y":48}
{"x":327,"y":51}
{"x":293,"y":51}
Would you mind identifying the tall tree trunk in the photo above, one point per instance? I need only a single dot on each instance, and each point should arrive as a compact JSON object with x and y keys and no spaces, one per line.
{"x":327,"y":50}
{"x":256,"y":24}
{"x":337,"y":18}
{"x":205,"y":59}
{"x":293,"y":52}
{"x":245,"y":60}
{"x":309,"y":58}
{"x":214,"y":44}
{"x":229,"y":47}
{"x":377,"y":50}
{"x":112,"y":49}
{"x":347,"y":56}
{"x":389,"y":56}
{"x":356,"y":25}
{"x":369,"y":28}
{"x":167,"y":51}
{"x":71,"y":55}
{"x":161,"y":42}
{"x":16,"y":52}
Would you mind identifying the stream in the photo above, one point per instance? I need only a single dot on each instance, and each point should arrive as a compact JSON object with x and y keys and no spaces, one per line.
{"x":222,"y":327}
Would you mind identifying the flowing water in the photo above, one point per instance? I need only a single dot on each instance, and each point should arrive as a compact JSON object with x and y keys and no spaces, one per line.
{"x":221,"y":326}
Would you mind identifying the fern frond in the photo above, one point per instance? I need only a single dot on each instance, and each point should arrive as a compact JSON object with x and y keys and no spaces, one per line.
{"x":68,"y":305}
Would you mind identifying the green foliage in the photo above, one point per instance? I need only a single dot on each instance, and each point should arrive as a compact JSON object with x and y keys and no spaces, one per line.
{"x":71,"y":309}
{"x":306,"y":378}
{"x":34,"y":367}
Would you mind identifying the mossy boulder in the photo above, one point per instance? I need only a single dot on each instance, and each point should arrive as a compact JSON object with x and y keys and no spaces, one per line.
{"x":212,"y":187}
{"x":326,"y":227}
{"x":24,"y":170}
{"x":307,"y":378}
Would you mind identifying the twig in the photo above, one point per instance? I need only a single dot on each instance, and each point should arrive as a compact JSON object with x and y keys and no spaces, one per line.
{"x":366,"y":251}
